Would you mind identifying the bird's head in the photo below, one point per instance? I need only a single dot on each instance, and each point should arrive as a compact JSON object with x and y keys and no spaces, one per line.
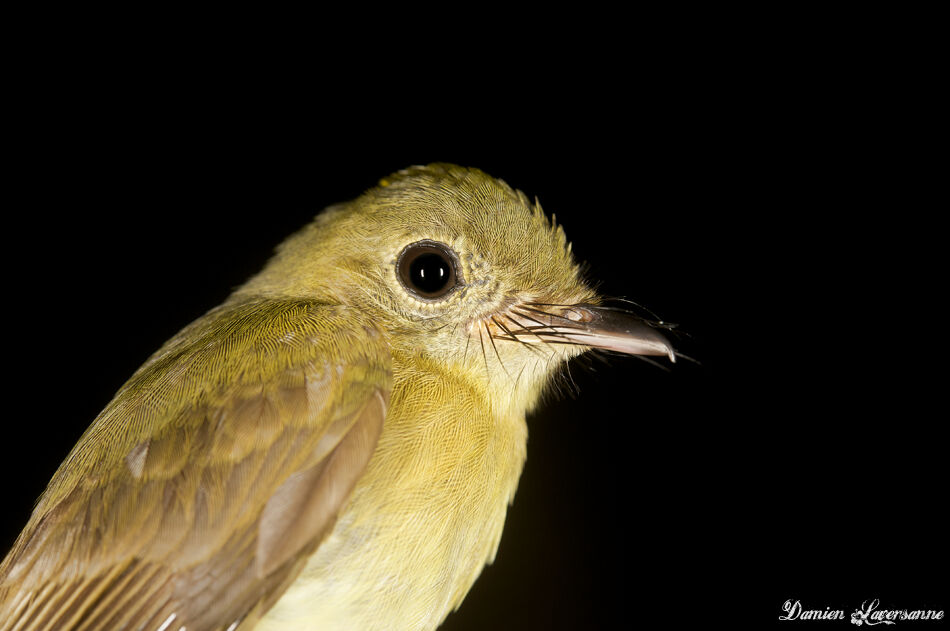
{"x":455,"y":265}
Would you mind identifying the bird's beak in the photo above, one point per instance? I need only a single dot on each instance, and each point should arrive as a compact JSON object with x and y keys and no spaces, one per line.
{"x":617,"y":330}
{"x":593,"y":326}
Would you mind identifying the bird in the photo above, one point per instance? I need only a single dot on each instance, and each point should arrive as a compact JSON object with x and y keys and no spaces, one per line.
{"x":337,"y":444}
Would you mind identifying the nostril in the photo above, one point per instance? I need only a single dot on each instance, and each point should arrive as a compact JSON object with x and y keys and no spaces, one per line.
{"x":579,"y":314}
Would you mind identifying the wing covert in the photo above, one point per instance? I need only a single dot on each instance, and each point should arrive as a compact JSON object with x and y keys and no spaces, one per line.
{"x":194,"y":497}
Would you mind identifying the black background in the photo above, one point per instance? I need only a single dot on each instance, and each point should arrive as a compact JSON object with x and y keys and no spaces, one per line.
{"x":770,"y":193}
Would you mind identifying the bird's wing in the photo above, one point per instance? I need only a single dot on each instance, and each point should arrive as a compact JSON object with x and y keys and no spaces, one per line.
{"x":193,"y":499}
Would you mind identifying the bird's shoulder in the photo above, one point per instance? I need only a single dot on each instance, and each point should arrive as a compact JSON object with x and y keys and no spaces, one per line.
{"x":209,"y":473}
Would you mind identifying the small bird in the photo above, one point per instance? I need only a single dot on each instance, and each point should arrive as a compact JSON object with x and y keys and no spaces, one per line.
{"x":336,"y":445}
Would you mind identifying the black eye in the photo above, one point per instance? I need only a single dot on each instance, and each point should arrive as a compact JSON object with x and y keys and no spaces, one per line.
{"x":428,"y":269}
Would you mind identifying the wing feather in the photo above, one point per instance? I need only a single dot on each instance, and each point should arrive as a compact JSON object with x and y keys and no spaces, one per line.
{"x":194,"y":495}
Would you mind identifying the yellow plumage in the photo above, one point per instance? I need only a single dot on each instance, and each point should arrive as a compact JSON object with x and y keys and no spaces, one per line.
{"x":335,"y":446}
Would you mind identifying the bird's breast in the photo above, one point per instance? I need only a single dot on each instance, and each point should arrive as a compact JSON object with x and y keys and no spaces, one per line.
{"x":423,"y":520}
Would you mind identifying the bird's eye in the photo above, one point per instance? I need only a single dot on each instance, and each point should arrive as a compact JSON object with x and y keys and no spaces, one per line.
{"x":428,"y":269}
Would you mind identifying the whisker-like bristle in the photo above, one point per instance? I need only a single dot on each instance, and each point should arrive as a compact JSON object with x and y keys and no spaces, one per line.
{"x":549,"y":304}
{"x":484,"y":355}
{"x":468,"y":338}
{"x":541,"y":330}
{"x":656,"y":324}
{"x":491,"y":339}
{"x":526,"y":316}
{"x":511,"y":336}
{"x":569,"y":343}
{"x":575,"y":390}
{"x":653,"y":316}
{"x":566,"y":324}
{"x":518,"y":378}
{"x":546,"y":313}
{"x":521,"y":326}
{"x":688,"y":358}
{"x":652,"y":362}
{"x":604,"y":354}
{"x":600,"y":355}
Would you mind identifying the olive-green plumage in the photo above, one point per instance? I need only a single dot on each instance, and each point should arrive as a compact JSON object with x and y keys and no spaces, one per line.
{"x":331,"y":448}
